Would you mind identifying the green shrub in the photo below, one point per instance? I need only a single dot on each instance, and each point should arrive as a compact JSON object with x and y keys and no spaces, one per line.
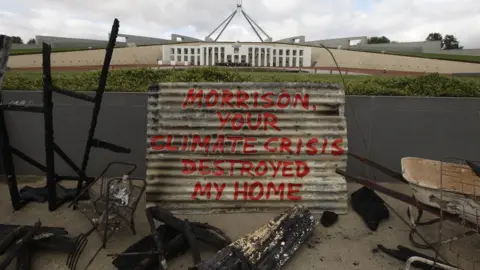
{"x":137,"y":80}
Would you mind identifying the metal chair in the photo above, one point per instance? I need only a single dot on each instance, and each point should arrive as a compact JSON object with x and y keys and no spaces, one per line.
{"x":114,"y":205}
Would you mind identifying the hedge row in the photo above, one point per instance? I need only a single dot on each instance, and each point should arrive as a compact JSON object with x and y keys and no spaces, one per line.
{"x":137,"y":80}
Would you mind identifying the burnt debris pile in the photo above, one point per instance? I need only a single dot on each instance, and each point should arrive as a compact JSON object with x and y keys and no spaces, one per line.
{"x":269,"y":247}
{"x":22,"y":242}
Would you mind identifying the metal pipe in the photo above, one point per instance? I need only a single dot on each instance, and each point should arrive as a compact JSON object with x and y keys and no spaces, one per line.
{"x":226,"y":19}
{"x":413,"y":259}
{"x":254,"y":22}
{"x":379,"y":167}
{"x":253,"y":27}
{"x":225,"y":26}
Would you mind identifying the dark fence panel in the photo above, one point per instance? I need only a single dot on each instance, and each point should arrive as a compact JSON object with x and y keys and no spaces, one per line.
{"x":383,"y":128}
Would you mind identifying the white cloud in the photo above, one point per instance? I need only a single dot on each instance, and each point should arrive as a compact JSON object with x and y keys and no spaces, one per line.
{"x":399,"y":20}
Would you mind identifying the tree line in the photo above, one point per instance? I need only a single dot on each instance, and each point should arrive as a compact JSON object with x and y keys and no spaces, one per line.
{"x":19,"y":40}
{"x":448,"y":42}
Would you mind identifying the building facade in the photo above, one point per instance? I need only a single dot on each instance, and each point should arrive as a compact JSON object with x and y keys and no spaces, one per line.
{"x":246,"y":54}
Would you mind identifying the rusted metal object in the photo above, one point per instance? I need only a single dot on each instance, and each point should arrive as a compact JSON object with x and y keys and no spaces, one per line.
{"x":269,"y":247}
{"x":261,"y":138}
{"x":451,"y":186}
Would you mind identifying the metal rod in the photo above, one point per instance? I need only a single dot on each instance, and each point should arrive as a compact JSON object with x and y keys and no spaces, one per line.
{"x":98,"y":98}
{"x":218,"y":27}
{"x":91,"y":183}
{"x":437,"y":253}
{"x":48,"y":125}
{"x":379,"y":167}
{"x":225,"y":26}
{"x":253,"y":27}
{"x":255,"y":23}
{"x":5,"y":148}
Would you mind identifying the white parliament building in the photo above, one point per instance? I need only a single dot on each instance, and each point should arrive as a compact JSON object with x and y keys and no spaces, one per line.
{"x":253,"y":54}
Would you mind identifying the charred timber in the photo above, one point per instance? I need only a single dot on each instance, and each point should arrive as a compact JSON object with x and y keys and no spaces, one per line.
{"x":171,"y":239}
{"x":139,"y":255}
{"x":10,"y":239}
{"x":267,"y":248}
{"x":192,"y":242}
{"x":157,"y":238}
{"x":20,"y":247}
{"x":24,"y":258}
{"x":213,"y":239}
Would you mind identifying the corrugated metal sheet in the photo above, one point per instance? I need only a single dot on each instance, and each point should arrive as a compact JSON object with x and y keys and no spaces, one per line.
{"x":321,"y":189}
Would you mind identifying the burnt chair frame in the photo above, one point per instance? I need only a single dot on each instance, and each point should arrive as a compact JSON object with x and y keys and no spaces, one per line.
{"x":53,"y":179}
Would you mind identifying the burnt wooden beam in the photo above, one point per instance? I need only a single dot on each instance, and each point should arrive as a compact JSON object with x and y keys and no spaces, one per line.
{"x":201,"y":234}
{"x":10,"y":239}
{"x":58,"y":243}
{"x":24,"y":258}
{"x":157,"y":238}
{"x":173,"y":249}
{"x":43,"y":229}
{"x":171,"y":239}
{"x":140,"y":253}
{"x":192,"y":242}
{"x":267,"y":248}
{"x":19,"y":247}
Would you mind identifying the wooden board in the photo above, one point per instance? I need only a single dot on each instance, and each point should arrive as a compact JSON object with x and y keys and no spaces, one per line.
{"x":434,"y":174}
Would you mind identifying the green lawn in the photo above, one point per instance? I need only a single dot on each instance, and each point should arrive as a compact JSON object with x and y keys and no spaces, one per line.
{"x":448,"y":57}
{"x":256,"y":76}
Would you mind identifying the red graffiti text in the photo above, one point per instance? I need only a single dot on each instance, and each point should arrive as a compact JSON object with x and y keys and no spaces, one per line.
{"x":253,"y":191}
{"x":245,"y":112}
{"x":246,"y":168}
{"x":247,"y":145}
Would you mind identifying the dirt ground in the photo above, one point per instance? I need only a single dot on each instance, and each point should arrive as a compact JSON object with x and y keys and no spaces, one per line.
{"x":349,"y":244}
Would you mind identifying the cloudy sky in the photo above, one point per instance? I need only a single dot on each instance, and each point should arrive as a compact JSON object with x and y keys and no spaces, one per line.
{"x":399,"y":20}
